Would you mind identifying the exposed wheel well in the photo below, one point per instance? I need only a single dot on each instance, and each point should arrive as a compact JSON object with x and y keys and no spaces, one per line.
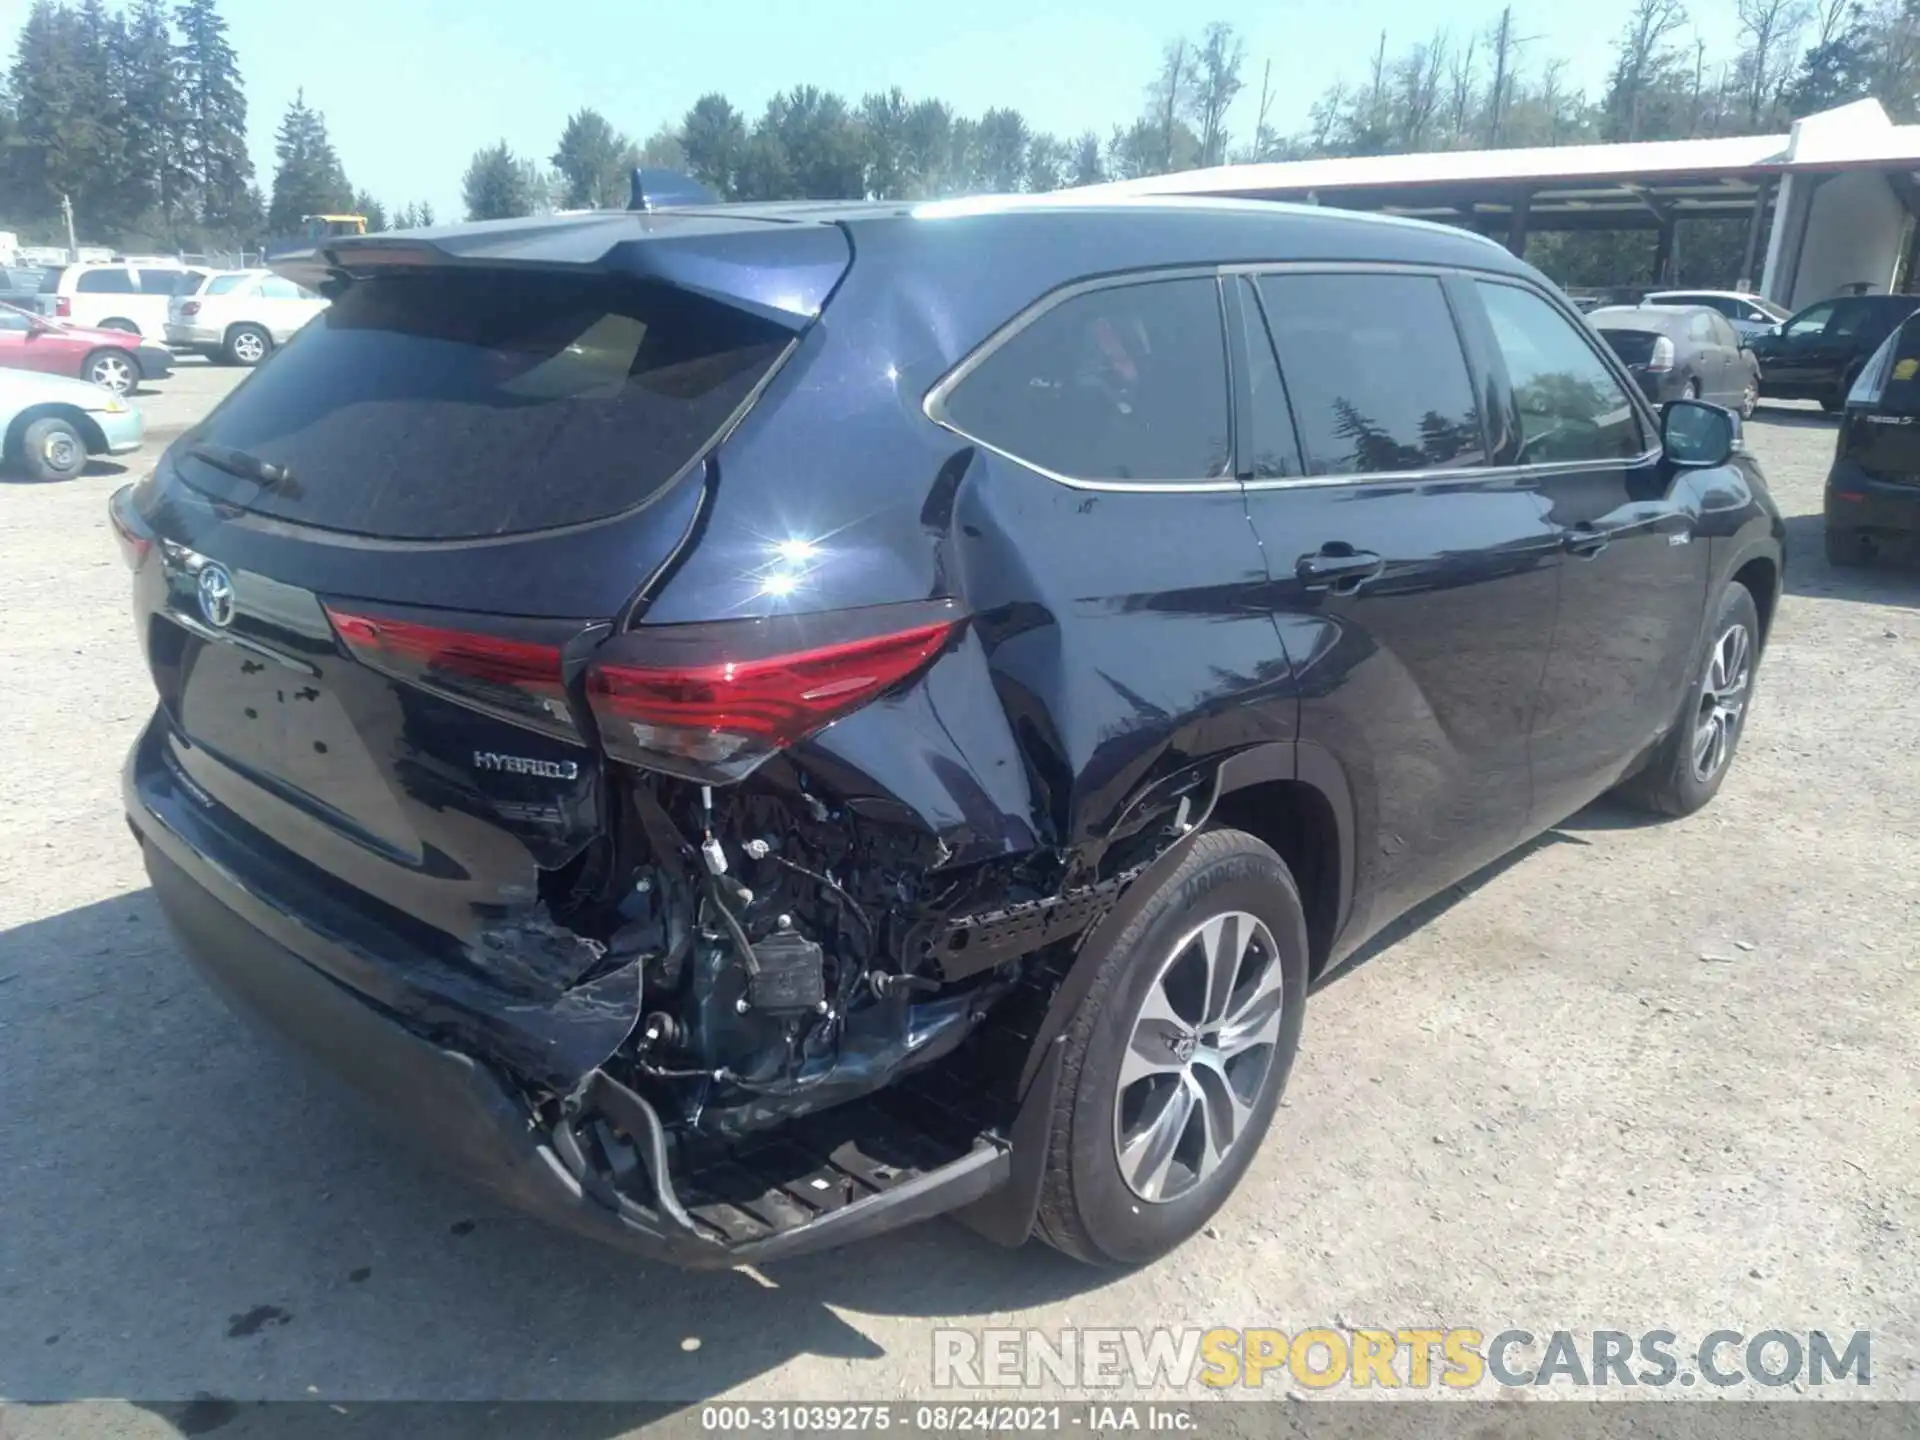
{"x":1761,"y":577}
{"x":88,"y":427}
{"x":1298,"y":822}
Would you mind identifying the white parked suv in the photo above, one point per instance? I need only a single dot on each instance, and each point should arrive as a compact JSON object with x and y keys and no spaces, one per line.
{"x":120,"y":296}
{"x":240,"y":315}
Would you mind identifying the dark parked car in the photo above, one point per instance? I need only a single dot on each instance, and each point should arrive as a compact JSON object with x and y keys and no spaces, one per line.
{"x":749,"y":726}
{"x":1820,"y":352}
{"x":1873,"y":489}
{"x":1682,"y":353}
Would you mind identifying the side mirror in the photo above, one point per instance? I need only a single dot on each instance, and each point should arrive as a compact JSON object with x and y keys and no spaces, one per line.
{"x":1694,"y":433}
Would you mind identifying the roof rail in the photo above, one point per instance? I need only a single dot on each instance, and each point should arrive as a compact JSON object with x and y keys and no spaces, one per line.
{"x":654,"y":189}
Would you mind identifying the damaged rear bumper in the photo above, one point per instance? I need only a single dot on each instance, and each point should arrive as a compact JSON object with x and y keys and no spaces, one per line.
{"x":469,"y":1115}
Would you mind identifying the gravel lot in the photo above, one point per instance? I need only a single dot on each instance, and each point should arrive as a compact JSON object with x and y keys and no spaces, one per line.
{"x":1637,"y":1076}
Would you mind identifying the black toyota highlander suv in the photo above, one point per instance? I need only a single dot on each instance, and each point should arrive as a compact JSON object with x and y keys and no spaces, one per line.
{"x":743,"y":727}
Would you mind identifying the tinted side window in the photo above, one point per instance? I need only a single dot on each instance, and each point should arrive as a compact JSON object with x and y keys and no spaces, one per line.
{"x":163,"y":282}
{"x":1810,"y":321}
{"x":105,"y":282}
{"x":1124,"y":383}
{"x":1571,"y":407}
{"x":1375,"y":369}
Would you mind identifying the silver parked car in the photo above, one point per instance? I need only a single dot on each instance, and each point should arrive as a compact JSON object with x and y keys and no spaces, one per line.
{"x":1749,"y":314}
{"x":51,"y":424}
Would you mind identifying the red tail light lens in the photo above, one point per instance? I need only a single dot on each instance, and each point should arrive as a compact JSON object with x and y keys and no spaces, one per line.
{"x":1662,"y":358}
{"x":134,"y":544}
{"x":711,"y":702}
{"x":62,"y":306}
{"x":516,"y":679}
{"x":192,"y":307}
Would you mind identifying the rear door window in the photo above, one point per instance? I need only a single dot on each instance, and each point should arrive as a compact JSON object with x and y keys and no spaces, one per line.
{"x":227,"y":284}
{"x":105,"y":282}
{"x":474,"y":403}
{"x":1374,"y":367}
{"x":1571,"y":406}
{"x":165,"y":282}
{"x":272,"y":287}
{"x":1128,"y":382}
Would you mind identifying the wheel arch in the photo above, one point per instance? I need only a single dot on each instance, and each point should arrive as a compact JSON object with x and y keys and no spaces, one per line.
{"x":1293,"y":796}
{"x":1759,"y":570}
{"x":1292,"y":791}
{"x":88,"y":427}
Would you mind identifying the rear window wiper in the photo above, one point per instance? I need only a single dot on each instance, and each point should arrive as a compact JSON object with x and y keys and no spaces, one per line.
{"x":247,"y":467}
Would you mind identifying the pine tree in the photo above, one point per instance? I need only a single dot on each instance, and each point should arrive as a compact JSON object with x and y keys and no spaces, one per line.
{"x":591,"y":160}
{"x":214,"y":139}
{"x":63,"y":139}
{"x":498,"y":185}
{"x":157,"y":176}
{"x":376,"y":213}
{"x":308,"y":179}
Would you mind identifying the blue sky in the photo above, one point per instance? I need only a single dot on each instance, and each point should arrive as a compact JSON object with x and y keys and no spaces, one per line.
{"x":411,"y":88}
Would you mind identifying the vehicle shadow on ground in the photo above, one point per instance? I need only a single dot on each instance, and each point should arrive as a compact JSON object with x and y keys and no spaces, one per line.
{"x":1427,"y":911}
{"x":1891,"y":577}
{"x":1775,"y":412}
{"x":193,"y":1212}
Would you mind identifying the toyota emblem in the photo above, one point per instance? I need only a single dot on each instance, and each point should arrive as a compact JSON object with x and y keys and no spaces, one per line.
{"x":216,"y":596}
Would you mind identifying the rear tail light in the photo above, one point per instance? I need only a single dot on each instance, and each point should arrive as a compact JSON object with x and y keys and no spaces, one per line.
{"x":1662,"y":358}
{"x":712,"y":702}
{"x":515,"y":678}
{"x":192,"y":307}
{"x":62,"y":307}
{"x":135,"y":544}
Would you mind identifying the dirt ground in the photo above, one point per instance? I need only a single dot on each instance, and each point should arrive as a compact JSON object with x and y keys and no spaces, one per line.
{"x":1638,"y":1076}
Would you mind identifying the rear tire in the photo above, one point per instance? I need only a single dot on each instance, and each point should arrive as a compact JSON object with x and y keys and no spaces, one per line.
{"x":1845,"y":548}
{"x":248,"y":345}
{"x":1687,"y":769}
{"x":113,"y":370}
{"x":1119,"y":1189}
{"x":52,"y":449}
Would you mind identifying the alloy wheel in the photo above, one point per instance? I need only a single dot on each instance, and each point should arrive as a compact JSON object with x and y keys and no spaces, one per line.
{"x":1200,"y":1050}
{"x":111,"y":372}
{"x":1723,"y":701}
{"x":249,"y":347}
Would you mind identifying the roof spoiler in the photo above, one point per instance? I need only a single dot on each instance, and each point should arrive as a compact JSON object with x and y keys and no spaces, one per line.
{"x":654,"y":189}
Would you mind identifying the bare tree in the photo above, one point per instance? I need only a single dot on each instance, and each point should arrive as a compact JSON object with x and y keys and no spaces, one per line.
{"x":1769,"y":49}
{"x":1504,"y":45}
{"x":1167,"y":95}
{"x":1263,"y":136}
{"x":1461,"y":84}
{"x":1644,"y":58}
{"x":1418,"y":84}
{"x":1216,"y":83}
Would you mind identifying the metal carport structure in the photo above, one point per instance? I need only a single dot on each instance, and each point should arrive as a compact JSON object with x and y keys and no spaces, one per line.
{"x":1840,"y":188}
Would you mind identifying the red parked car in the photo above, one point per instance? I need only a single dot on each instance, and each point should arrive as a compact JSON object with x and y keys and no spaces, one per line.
{"x":113,"y":359}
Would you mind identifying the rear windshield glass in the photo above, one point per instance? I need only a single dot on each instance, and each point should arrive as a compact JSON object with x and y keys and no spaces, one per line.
{"x":477,"y":403}
{"x":1633,"y":346}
